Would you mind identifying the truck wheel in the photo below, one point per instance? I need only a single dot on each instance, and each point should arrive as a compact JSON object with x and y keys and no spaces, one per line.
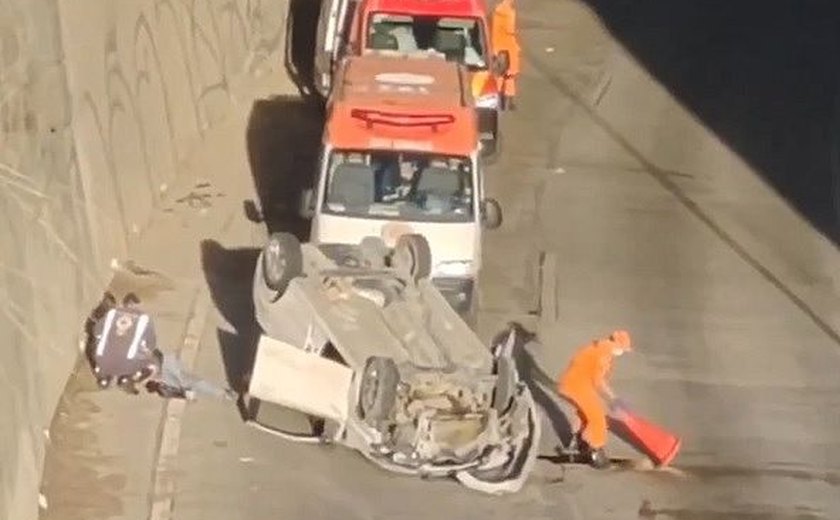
{"x":282,"y":261}
{"x":379,"y":388}
{"x":412,"y":255}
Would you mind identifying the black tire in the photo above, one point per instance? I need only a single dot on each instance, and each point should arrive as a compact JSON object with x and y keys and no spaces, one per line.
{"x":378,"y":393}
{"x":505,"y":384}
{"x":413,"y":255}
{"x":282,"y":261}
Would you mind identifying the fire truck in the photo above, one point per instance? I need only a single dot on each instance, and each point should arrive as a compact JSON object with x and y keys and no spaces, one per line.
{"x":400,"y":155}
{"x":458,"y":30}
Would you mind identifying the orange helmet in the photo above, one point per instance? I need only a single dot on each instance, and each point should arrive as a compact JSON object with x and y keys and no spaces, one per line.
{"x":622,"y":339}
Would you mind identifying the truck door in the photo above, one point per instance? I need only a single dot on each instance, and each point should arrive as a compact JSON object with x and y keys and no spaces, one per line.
{"x":333,"y":28}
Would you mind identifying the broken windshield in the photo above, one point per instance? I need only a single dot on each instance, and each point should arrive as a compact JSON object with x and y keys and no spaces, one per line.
{"x":458,"y":39}
{"x":402,"y":186}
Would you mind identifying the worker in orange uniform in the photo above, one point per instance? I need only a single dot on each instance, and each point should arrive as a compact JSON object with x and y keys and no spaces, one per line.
{"x":504,"y":38}
{"x":584,"y":383}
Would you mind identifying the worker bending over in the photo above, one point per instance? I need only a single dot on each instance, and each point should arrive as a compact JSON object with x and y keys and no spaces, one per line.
{"x":122,"y":348}
{"x":584,"y":383}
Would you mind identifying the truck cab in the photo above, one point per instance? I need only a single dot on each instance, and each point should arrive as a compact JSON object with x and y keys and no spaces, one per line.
{"x":457,"y":30}
{"x":400,"y":155}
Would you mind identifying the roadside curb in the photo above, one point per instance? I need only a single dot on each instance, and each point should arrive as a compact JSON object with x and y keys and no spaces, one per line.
{"x":169,"y":430}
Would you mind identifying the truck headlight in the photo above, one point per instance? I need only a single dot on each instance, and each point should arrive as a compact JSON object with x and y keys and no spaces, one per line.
{"x":453,"y":269}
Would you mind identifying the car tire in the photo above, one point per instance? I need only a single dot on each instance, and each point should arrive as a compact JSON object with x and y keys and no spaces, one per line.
{"x":412,"y":255}
{"x":282,"y":261}
{"x":378,"y":392}
{"x":505,"y":384}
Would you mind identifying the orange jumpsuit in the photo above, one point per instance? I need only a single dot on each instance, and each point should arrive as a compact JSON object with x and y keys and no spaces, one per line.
{"x":504,"y":38}
{"x":587,"y":370}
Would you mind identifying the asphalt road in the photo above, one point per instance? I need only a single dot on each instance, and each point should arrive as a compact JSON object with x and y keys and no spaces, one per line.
{"x":650,"y":223}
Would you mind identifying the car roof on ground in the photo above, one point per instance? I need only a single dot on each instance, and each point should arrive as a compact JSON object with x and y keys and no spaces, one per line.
{"x":359,"y":328}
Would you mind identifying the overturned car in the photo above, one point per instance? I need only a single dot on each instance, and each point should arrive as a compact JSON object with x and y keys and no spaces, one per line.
{"x":359,"y":344}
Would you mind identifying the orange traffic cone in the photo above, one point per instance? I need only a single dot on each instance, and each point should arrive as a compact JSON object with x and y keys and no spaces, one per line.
{"x":655,"y":442}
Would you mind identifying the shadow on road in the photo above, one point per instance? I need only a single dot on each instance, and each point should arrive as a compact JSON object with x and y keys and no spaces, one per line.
{"x":541,"y":386}
{"x":229,"y":273}
{"x":762,"y":75}
{"x":283,"y":139}
{"x":539,"y":383}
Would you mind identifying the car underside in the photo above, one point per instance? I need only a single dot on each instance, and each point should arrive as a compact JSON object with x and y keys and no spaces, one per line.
{"x":391,"y":370}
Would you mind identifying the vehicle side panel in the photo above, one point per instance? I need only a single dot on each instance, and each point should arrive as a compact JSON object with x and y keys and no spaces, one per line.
{"x":285,"y":374}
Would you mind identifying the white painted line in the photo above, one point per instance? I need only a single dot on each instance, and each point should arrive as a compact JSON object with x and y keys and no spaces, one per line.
{"x":169,"y":437}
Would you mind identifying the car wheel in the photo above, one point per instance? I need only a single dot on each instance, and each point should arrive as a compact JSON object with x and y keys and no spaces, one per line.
{"x":282,"y":261}
{"x":505,"y":384}
{"x":413,"y":256}
{"x":379,"y":388}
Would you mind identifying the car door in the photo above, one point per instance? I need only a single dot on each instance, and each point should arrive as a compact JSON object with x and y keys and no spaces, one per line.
{"x":300,"y":379}
{"x":333,"y":26}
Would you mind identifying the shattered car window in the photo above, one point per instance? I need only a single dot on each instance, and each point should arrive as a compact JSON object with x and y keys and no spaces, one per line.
{"x":458,"y":39}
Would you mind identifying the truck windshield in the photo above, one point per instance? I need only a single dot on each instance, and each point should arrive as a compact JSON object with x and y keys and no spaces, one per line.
{"x":458,"y":39}
{"x":420,"y":187}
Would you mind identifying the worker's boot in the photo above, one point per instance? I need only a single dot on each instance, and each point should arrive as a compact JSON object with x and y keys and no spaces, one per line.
{"x":578,"y":449}
{"x":598,"y":459}
{"x":510,"y":104}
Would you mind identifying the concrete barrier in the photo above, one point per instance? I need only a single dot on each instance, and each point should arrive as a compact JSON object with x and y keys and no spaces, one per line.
{"x":99,"y":103}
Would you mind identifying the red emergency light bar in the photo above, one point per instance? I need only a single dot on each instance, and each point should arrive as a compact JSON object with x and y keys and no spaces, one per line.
{"x":372,"y":117}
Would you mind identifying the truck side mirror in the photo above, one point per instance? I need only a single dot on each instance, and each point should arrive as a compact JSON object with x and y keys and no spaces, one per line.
{"x":307,"y":204}
{"x":491,"y":213}
{"x":252,"y":212}
{"x":501,"y":63}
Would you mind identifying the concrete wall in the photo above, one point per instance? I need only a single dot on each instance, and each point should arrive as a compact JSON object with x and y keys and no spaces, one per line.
{"x":99,"y":102}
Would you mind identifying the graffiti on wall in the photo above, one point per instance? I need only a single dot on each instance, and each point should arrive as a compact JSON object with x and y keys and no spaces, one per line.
{"x":80,"y":169}
{"x":166,"y":75}
{"x":44,"y":240}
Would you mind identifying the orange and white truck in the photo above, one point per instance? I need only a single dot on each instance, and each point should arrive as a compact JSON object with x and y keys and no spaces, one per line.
{"x":401,"y":155}
{"x":456,"y":29}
